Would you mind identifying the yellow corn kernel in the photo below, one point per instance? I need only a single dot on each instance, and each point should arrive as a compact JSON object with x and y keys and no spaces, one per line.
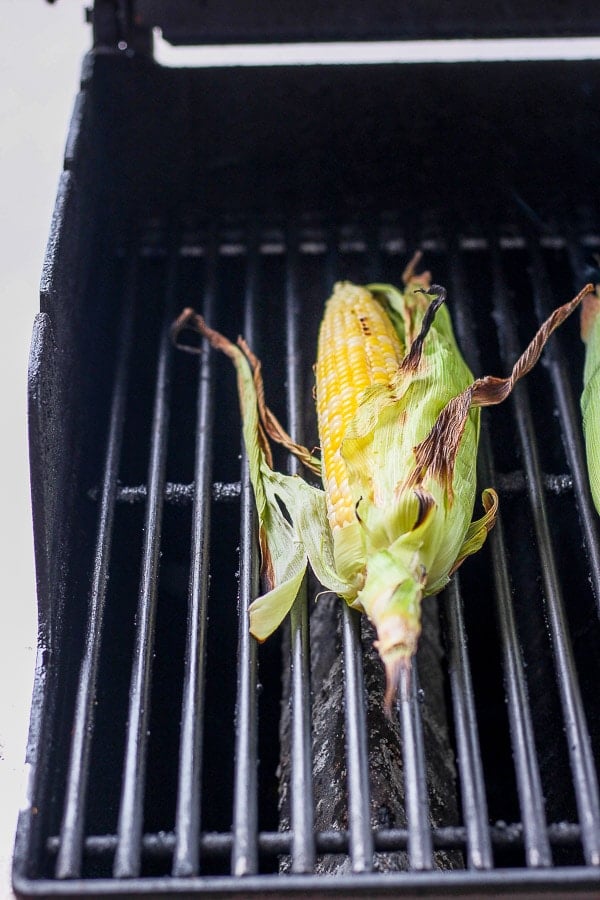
{"x":358,"y":347}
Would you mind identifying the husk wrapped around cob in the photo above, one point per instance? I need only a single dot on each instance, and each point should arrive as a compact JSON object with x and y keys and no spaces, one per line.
{"x":590,"y":398}
{"x":398,"y":414}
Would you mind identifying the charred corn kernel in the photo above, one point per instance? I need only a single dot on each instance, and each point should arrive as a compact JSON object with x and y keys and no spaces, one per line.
{"x":590,"y":398}
{"x":398,"y":413}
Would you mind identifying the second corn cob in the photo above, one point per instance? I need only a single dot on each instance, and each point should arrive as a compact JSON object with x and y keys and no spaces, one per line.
{"x":590,"y":398}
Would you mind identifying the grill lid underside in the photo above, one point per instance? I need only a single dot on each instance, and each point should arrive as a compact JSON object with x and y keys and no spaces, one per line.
{"x":191,"y":22}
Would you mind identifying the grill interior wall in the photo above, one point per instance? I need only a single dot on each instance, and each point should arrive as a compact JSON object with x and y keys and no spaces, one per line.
{"x":202,"y":165}
{"x":348,"y":138}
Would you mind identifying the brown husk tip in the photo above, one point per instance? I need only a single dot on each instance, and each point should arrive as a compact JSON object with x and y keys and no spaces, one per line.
{"x":191,"y":321}
{"x":398,"y":667}
{"x":590,"y":308}
{"x":410,"y":272}
{"x":187,"y":320}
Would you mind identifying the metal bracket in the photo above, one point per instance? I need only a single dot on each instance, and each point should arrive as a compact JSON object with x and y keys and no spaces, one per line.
{"x":115,"y":28}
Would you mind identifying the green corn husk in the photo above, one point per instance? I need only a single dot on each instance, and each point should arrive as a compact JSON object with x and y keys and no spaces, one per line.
{"x":590,"y":398}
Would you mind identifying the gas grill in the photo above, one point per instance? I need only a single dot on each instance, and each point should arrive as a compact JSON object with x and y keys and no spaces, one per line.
{"x":170,"y":754}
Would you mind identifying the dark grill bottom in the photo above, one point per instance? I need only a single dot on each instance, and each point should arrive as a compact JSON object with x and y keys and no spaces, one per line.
{"x":169,"y":565}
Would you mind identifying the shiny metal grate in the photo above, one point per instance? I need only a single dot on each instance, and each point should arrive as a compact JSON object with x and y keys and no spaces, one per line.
{"x":165,"y":763}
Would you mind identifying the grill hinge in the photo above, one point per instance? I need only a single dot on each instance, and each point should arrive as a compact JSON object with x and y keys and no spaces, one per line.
{"x":115,"y":28}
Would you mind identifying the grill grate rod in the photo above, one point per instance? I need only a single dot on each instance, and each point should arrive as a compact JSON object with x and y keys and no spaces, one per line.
{"x":244,"y":853}
{"x":301,"y":788}
{"x":131,"y":809}
{"x":68,"y":863}
{"x":527,"y":771}
{"x":529,"y":786}
{"x":577,"y":734}
{"x":420,"y":848}
{"x":472,"y":782}
{"x":357,"y":750}
{"x":188,"y":810}
{"x":178,"y":494}
{"x":277,"y":843}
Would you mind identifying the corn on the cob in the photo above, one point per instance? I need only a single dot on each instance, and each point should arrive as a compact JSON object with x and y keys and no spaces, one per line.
{"x":358,"y":348}
{"x":398,"y":413}
{"x":590,"y":398}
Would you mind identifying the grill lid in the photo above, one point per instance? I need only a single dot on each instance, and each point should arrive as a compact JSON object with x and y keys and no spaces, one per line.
{"x":188,"y":22}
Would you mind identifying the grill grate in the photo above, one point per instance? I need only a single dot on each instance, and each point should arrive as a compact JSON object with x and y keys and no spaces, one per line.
{"x":170,"y":832}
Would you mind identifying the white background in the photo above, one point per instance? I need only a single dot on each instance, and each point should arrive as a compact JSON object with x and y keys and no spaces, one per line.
{"x":42,"y":46}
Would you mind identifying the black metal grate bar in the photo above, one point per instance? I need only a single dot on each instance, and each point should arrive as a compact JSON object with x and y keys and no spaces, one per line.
{"x":578,"y":740}
{"x":355,"y":717}
{"x":68,"y":864}
{"x":276,"y":843}
{"x":472,"y":782}
{"x":244,"y":853}
{"x":301,"y":799}
{"x":357,"y":750}
{"x":131,"y":811}
{"x":529,"y":786}
{"x":420,"y":848}
{"x":472,"y":779}
{"x":188,"y":811}
{"x":177,"y":494}
{"x":527,"y":770}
